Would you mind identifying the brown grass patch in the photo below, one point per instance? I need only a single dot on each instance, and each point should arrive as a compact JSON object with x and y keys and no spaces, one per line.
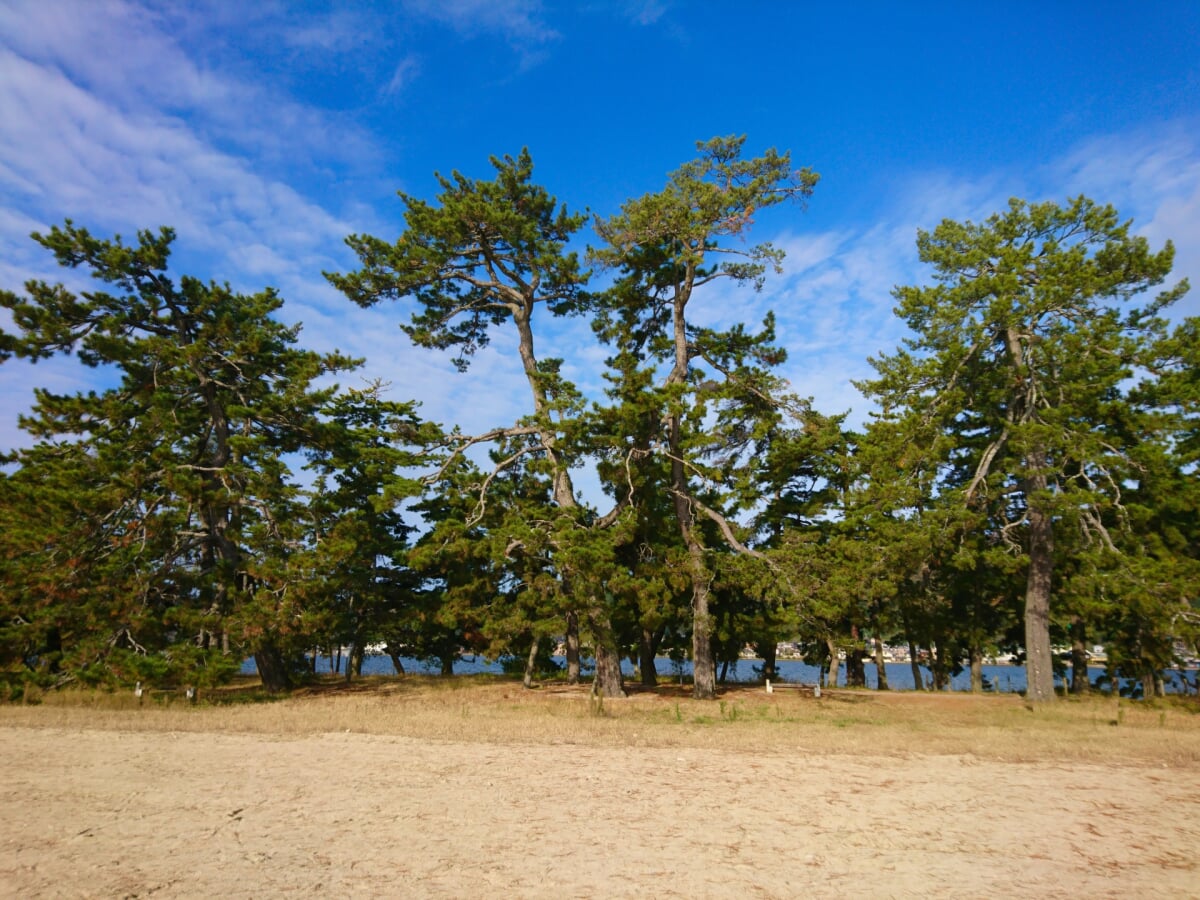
{"x":497,"y":710}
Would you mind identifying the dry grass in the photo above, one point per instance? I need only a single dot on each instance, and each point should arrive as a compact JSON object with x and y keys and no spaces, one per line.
{"x":481,"y":709}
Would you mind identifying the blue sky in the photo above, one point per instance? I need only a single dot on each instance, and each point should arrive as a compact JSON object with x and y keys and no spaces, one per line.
{"x":266,"y":132}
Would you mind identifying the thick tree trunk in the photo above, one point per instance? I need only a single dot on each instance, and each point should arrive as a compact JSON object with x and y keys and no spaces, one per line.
{"x":647,"y":650}
{"x":976,"y":669}
{"x":1039,"y":658}
{"x":767,"y":650}
{"x":272,"y":669}
{"x":530,"y":663}
{"x":880,"y":665}
{"x":856,"y":674}
{"x":704,"y":684}
{"x":447,"y":660}
{"x":941,"y":671}
{"x":831,"y":673}
{"x":572,"y":647}
{"x":355,"y":663}
{"x":608,"y":680}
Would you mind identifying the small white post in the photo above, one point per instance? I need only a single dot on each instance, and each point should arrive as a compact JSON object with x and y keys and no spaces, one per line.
{"x":770,"y":690}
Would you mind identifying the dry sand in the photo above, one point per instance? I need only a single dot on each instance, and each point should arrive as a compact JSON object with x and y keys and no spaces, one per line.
{"x":124,"y":813}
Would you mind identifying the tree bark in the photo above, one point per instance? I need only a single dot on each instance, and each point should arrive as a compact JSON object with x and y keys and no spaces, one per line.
{"x":831,"y":674}
{"x":647,"y":648}
{"x":941,"y":671}
{"x":880,"y":665}
{"x":272,"y":669}
{"x":976,"y":669}
{"x":1080,"y":684}
{"x":856,"y":674}
{"x":572,"y":647}
{"x":767,"y":650}
{"x":394,"y":656}
{"x":704,"y":683}
{"x":531,"y":663}
{"x":608,"y":680}
{"x":1039,"y":658}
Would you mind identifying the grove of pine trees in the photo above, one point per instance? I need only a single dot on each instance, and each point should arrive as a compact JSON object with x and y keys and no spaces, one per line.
{"x":1029,"y":479}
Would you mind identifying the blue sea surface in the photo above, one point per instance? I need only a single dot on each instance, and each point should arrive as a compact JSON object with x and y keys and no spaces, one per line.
{"x":1005,"y":679}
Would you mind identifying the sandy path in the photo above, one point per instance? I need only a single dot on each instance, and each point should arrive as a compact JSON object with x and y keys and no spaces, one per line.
{"x":92,"y":813}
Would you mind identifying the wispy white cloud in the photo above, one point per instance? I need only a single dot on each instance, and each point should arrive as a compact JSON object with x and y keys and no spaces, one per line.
{"x":646,"y":12}
{"x":93,"y":130}
{"x":402,"y":76}
{"x":337,"y":31}
{"x":519,"y":21}
{"x":137,"y":59}
{"x":1152,"y":176}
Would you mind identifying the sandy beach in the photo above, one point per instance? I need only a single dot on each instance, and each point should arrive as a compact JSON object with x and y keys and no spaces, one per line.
{"x":132,"y":813}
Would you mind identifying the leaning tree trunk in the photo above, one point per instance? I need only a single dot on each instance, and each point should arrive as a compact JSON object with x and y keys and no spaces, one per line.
{"x":1080,"y":684}
{"x":394,"y":656}
{"x":272,"y":669}
{"x":880,"y":665}
{"x":1039,"y":658}
{"x":531,"y":663}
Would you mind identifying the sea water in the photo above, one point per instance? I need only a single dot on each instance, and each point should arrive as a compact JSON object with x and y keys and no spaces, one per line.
{"x":1005,"y":679}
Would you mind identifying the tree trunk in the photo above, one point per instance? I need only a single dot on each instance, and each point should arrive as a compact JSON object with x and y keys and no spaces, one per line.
{"x":394,"y":656}
{"x":856,"y":674}
{"x":914,"y":661}
{"x":767,"y":650}
{"x":831,"y":674}
{"x":647,"y":648}
{"x":941,"y":671}
{"x":447,"y":659}
{"x":976,"y":669}
{"x":1039,"y":658}
{"x":704,"y":683}
{"x":272,"y":669}
{"x":608,"y":680}
{"x":880,"y":665}
{"x":531,"y":663}
{"x":1080,"y":684}
{"x":572,"y":648}
{"x":355,"y":663}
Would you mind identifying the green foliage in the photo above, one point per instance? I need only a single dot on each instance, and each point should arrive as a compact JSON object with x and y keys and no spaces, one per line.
{"x":1037,"y":439}
{"x":1010,"y":395}
{"x":170,"y":491}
